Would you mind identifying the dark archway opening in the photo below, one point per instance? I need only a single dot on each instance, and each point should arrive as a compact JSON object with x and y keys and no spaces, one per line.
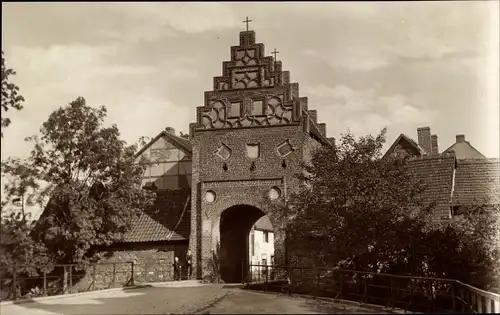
{"x":235,"y":225}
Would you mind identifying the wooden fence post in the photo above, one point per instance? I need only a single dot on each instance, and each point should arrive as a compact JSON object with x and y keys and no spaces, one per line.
{"x":64,"y":280}
{"x":453,"y":297}
{"x":391,"y":296}
{"x":70,"y":278}
{"x":333,"y":282}
{"x":93,"y":276}
{"x":341,"y":283}
{"x":45,"y":283}
{"x":133,"y":273}
{"x":114,"y":275}
{"x":365,"y":297}
{"x":318,"y":275}
{"x":14,"y":282}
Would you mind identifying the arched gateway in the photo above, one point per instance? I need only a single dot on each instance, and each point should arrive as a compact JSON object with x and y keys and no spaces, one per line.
{"x":249,"y":139}
{"x":234,"y":229}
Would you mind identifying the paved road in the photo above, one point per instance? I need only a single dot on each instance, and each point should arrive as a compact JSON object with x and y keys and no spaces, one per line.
{"x":185,"y":300}
{"x":247,"y":302}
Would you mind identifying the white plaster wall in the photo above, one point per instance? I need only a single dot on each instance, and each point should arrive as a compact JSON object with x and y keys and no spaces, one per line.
{"x":260,"y":248}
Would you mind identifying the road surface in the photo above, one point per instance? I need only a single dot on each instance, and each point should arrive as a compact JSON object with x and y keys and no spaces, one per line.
{"x":181,"y":300}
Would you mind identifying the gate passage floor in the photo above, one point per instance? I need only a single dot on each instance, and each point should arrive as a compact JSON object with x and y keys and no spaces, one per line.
{"x":206,"y":299}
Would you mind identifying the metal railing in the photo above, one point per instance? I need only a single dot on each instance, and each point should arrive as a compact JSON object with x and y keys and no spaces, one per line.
{"x":74,"y":278}
{"x":157,"y":270}
{"x":415,"y":294}
{"x":66,"y":279}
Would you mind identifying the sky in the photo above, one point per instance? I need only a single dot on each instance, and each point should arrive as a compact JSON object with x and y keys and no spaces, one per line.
{"x":363,"y":65}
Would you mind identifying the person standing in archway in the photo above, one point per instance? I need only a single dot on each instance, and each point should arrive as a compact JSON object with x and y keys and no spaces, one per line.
{"x":177,"y":269}
{"x":189,"y":263}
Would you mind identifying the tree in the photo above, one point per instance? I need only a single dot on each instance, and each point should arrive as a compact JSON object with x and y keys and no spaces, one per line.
{"x":355,"y":201}
{"x":92,"y":182}
{"x":359,"y":211}
{"x":11,"y":99}
{"x":22,"y":185}
{"x":18,"y":251}
{"x":467,"y":248}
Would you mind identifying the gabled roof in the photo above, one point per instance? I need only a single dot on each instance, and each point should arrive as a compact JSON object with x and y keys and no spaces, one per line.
{"x":464,"y":150}
{"x":404,"y":140}
{"x":477,"y":182}
{"x":437,"y":174}
{"x":264,"y":224}
{"x":167,"y":220}
{"x":181,"y":143}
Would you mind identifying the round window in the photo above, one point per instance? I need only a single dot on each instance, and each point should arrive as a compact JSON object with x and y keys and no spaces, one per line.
{"x":210,"y":196}
{"x":274,"y":193}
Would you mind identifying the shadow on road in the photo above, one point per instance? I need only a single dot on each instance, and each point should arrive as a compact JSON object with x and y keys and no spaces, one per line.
{"x":143,"y":300}
{"x":248,"y":302}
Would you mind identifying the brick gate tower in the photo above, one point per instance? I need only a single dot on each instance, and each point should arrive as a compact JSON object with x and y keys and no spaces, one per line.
{"x":249,"y":138}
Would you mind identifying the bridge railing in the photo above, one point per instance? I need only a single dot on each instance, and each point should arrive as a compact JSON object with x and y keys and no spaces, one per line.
{"x":416,"y":294}
{"x":67,"y":278}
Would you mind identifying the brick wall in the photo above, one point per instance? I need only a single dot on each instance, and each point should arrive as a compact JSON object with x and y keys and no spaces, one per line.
{"x":238,"y":184}
{"x":253,"y":102}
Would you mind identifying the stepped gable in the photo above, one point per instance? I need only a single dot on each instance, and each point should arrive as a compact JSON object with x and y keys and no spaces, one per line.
{"x":437,"y":174}
{"x":477,"y":182}
{"x":167,"y":220}
{"x":254,"y":91}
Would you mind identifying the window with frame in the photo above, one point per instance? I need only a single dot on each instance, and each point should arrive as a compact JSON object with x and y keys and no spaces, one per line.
{"x":265,"y":235}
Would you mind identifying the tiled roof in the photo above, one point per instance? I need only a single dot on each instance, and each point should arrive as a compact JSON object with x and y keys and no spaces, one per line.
{"x":182,"y":142}
{"x":436,"y":173}
{"x":477,"y":182}
{"x":167,"y":220}
{"x":264,"y":224}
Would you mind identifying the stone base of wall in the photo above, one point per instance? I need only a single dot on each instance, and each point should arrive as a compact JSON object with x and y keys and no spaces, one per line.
{"x":152,"y":263}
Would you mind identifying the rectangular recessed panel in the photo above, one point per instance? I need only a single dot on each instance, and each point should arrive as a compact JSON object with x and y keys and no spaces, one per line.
{"x":185,"y":167}
{"x":163,"y":154}
{"x":157,"y":169}
{"x":170,"y":168}
{"x":257,"y":108}
{"x":170,"y":182}
{"x":234,"y":109}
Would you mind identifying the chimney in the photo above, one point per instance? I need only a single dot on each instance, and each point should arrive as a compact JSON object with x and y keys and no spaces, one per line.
{"x":460,"y":138}
{"x":424,"y":139}
{"x":170,"y":130}
{"x":331,"y":140}
{"x":434,"y":145}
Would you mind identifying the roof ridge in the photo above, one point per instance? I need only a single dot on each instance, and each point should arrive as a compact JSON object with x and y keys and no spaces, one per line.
{"x":180,"y":142}
{"x":433,"y":157}
{"x":478,"y":161}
